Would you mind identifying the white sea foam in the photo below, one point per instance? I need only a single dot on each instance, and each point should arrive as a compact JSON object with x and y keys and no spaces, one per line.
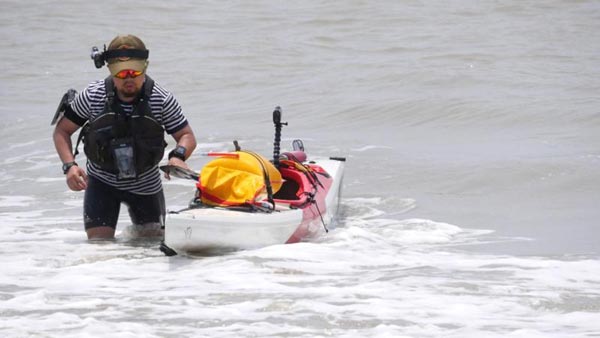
{"x":361,"y":279}
{"x":49,"y":179}
{"x":371,"y":147}
{"x":16,"y":201}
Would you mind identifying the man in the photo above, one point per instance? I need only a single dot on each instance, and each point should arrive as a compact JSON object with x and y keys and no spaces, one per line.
{"x":127,"y":115}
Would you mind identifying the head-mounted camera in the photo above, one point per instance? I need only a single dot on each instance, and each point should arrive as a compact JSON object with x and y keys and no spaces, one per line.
{"x":101,"y":58}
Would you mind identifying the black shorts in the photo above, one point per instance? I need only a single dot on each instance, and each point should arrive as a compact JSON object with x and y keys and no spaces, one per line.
{"x":102,"y":204}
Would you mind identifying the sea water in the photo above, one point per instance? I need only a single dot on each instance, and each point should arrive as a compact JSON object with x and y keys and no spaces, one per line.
{"x":471,"y":194}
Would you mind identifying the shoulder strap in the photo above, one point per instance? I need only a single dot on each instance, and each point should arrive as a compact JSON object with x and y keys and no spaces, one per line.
{"x":109,"y":86}
{"x":82,"y":133}
{"x":148,"y":88}
{"x":142,"y":108}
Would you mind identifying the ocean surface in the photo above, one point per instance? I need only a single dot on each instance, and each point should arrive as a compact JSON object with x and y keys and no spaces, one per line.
{"x":471,"y":199}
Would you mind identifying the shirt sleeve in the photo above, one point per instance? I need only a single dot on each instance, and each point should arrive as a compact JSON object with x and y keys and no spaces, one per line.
{"x":173,"y":118}
{"x":71,"y":115}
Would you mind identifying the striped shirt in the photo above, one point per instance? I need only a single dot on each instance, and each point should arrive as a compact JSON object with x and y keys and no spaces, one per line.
{"x":89,"y":104}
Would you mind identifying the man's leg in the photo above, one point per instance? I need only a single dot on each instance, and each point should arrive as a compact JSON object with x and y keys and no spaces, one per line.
{"x":100,"y":210}
{"x":147,"y":213}
{"x":100,"y":233}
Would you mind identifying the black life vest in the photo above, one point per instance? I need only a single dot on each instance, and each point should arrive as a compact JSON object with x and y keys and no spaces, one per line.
{"x":140,"y":130}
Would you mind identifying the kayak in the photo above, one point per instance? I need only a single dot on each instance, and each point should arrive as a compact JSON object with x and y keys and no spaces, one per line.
{"x":299,"y":201}
{"x":304,"y":216}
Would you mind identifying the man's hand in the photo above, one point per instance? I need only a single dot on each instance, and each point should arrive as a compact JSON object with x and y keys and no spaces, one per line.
{"x":77,"y":178}
{"x":176,"y":162}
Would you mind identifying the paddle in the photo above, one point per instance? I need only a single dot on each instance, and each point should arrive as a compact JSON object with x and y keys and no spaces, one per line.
{"x":180,"y":172}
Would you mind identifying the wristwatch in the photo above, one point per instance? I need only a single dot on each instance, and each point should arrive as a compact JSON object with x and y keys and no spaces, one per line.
{"x":178,"y":152}
{"x":67,"y":166}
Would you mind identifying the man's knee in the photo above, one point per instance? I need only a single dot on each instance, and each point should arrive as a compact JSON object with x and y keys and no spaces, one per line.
{"x":100,"y":233}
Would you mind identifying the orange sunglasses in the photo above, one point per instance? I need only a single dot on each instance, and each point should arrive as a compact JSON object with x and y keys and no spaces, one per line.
{"x":127,"y":73}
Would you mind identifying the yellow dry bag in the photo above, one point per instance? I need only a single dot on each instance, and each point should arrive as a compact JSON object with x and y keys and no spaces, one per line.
{"x":237,"y":178}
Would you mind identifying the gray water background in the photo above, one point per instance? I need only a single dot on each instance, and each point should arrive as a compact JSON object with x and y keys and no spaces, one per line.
{"x":479,"y":114}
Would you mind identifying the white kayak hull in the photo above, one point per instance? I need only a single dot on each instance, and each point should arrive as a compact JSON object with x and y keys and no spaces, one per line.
{"x":206,"y":229}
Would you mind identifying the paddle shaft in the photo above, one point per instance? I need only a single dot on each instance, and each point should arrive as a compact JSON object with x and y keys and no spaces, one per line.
{"x":180,"y":172}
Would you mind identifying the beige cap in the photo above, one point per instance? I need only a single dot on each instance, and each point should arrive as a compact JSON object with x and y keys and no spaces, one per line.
{"x":116,"y":65}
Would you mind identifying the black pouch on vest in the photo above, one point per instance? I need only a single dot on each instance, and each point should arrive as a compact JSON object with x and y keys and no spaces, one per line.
{"x":123,"y":153}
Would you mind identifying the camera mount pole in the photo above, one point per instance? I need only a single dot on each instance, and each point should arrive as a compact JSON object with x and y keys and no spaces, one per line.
{"x":276,"y":144}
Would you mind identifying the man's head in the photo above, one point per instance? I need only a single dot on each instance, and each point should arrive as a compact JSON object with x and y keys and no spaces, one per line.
{"x":128,"y":71}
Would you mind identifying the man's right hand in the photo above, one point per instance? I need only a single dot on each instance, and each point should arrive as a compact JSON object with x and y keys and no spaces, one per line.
{"x":77,"y":178}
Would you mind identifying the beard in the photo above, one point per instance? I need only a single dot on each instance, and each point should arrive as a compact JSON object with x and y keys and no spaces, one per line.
{"x":129,"y":94}
{"x":129,"y":90}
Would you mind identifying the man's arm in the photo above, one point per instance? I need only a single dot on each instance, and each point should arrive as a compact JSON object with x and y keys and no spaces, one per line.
{"x":62,"y":139}
{"x":185,"y":138}
{"x":76,"y":176}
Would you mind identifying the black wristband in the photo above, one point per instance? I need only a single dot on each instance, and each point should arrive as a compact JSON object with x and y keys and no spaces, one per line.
{"x":67,"y":166}
{"x":178,"y":152}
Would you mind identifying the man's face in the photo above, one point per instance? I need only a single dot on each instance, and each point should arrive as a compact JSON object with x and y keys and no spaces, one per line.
{"x":129,"y":87}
